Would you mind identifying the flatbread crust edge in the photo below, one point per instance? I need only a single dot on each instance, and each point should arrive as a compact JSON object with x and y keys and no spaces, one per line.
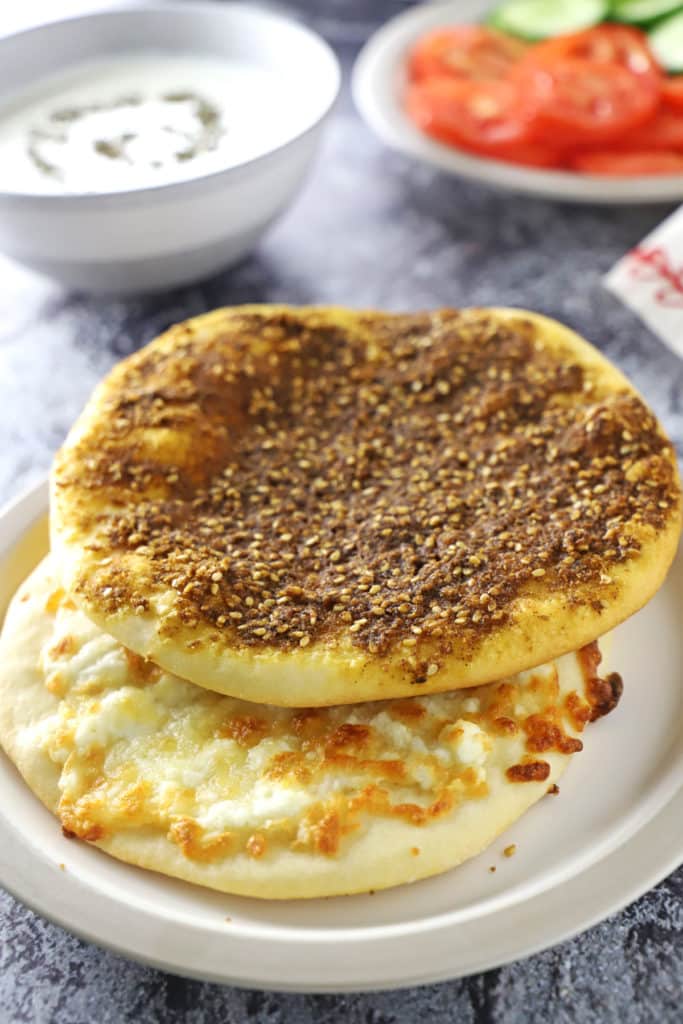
{"x":544,"y":626}
{"x":383,"y":857}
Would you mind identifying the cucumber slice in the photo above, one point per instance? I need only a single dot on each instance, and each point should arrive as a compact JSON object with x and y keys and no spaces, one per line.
{"x":639,"y":12}
{"x":539,"y":19}
{"x":666,"y":42}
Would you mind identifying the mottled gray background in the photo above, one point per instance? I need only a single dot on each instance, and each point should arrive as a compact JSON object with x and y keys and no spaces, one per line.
{"x":370,"y":229}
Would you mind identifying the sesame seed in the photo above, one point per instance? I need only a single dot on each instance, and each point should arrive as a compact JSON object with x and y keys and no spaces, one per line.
{"x":409,"y":474}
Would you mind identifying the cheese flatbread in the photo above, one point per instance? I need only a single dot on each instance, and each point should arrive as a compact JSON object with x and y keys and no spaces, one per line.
{"x":274,"y":802}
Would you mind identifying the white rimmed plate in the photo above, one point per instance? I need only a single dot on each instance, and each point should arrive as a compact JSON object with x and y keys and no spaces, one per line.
{"x":611,"y":834}
{"x":378,"y":83}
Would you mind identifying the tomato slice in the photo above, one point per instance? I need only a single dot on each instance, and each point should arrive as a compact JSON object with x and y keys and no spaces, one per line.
{"x":637,"y":162}
{"x":663,"y":131}
{"x":581,"y":101}
{"x":672,"y":92}
{"x":605,"y":44}
{"x":464,"y":51}
{"x":489,"y":117}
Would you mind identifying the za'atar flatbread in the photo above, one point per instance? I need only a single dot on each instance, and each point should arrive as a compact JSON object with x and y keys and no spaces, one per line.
{"x":309,"y":507}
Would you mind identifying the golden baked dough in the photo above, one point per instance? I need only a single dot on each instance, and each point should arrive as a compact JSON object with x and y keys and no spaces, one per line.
{"x":273,"y":802}
{"x":318,"y":506}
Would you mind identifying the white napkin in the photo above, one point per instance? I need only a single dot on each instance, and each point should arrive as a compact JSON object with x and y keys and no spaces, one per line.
{"x":649,"y":279}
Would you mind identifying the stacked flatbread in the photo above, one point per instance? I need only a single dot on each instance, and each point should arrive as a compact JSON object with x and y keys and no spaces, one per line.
{"x":322,"y":607}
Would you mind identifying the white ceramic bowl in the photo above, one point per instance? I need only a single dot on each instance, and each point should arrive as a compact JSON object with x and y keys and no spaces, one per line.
{"x":151,"y":238}
{"x":378,"y":83}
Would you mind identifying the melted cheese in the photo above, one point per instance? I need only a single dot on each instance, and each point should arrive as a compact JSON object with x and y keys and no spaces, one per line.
{"x":265,"y":804}
{"x":138,"y":747}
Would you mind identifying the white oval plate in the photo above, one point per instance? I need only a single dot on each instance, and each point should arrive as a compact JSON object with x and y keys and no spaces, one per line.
{"x":580,"y":856}
{"x":379,"y":80}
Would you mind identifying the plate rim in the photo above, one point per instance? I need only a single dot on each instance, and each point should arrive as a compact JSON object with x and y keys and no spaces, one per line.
{"x":595,"y":880}
{"x":659,"y":793}
{"x":17,"y":516}
{"x":380,"y":55}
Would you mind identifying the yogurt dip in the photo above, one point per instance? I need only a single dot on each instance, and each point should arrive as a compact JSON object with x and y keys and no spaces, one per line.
{"x":139,"y":120}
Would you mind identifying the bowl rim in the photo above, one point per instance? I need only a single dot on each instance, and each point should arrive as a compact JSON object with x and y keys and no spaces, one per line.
{"x":164,"y":189}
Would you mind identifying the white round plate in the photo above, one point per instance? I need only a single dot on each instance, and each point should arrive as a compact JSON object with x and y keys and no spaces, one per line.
{"x":378,"y":83}
{"x":611,"y":834}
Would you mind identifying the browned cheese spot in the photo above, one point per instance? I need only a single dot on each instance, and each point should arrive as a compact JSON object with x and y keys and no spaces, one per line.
{"x":529,"y":771}
{"x":63,"y":648}
{"x":73,"y":828}
{"x":142,"y":670}
{"x":603,"y":695}
{"x":54,"y":600}
{"x":189,"y":836}
{"x":256,"y":845}
{"x":545,"y":734}
{"x":244,"y":729}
